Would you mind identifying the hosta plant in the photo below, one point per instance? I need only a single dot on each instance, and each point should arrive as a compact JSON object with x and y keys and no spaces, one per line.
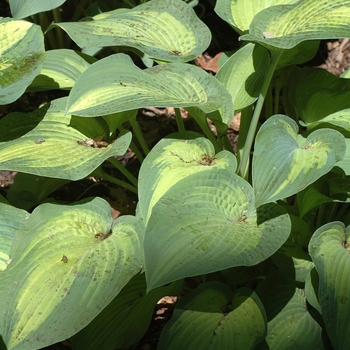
{"x":265,"y":230}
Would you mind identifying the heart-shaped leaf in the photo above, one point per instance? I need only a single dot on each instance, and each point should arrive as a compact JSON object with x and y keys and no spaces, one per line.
{"x":23,"y":8}
{"x":51,"y":145}
{"x":329,"y":249}
{"x":217,"y":317}
{"x":285,"y":163}
{"x":240,"y":13}
{"x":167,"y":30}
{"x":10,"y":220}
{"x":211,"y":224}
{"x":68,"y":263}
{"x":173,"y":159}
{"x":22,"y":53}
{"x":285,"y":26}
{"x":61,"y":69}
{"x":243,"y":74}
{"x":119,"y":85}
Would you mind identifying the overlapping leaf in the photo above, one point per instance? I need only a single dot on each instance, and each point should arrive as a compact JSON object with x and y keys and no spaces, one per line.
{"x":21,"y":56}
{"x":68,"y":263}
{"x":207,"y":222}
{"x":46,"y":143}
{"x":218,"y":318}
{"x":23,"y":8}
{"x":284,"y":164}
{"x":243,"y":74}
{"x":173,"y":159}
{"x":10,"y":220}
{"x":290,"y":325}
{"x":119,"y":85}
{"x":167,"y":30}
{"x":285,"y":26}
{"x":61,"y":69}
{"x":240,"y":13}
{"x":126,"y":319}
{"x":329,"y":249}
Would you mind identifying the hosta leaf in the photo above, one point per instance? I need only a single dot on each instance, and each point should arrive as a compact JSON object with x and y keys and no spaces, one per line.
{"x":24,"y":8}
{"x":312,"y":196}
{"x":285,"y":26}
{"x":290,"y":325}
{"x":10,"y":220}
{"x":173,"y":159}
{"x":61,"y":69}
{"x":318,"y":96}
{"x":51,"y":145}
{"x":311,"y":289}
{"x":68,"y":263}
{"x":167,"y":30}
{"x":285,"y":163}
{"x":240,"y":13}
{"x":292,"y":258}
{"x":243,"y":74}
{"x":212,"y":318}
{"x":211,"y":224}
{"x":29,"y":190}
{"x":21,"y":56}
{"x":115,"y":84}
{"x":126,"y":319}
{"x":329,"y":249}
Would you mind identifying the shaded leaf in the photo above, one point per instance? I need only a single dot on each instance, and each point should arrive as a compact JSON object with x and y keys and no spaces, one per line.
{"x":126,"y":319}
{"x":290,"y":325}
{"x":330,"y":251}
{"x":211,"y":317}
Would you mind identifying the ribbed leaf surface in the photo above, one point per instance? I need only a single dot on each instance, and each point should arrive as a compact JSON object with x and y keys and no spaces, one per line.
{"x":329,"y":249}
{"x":115,"y":84}
{"x":285,"y":163}
{"x":167,"y":30}
{"x":212,"y":318}
{"x":68,"y":263}
{"x":51,"y":145}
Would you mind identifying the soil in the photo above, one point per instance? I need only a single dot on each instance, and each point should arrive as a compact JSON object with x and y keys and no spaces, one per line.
{"x":156,"y":123}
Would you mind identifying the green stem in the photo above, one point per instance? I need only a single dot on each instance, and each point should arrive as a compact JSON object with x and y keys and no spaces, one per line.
{"x":44,"y":23}
{"x":138,"y":133}
{"x":243,"y":166}
{"x":57,"y":18}
{"x":137,"y":152}
{"x":123,"y":170}
{"x":100,"y":173}
{"x":179,"y":120}
{"x":246,"y":118}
